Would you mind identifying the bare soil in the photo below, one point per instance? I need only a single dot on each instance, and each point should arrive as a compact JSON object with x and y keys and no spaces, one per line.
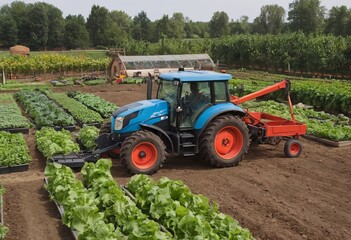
{"x":274,"y":197}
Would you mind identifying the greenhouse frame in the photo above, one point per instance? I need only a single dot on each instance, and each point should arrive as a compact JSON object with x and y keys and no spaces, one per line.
{"x":141,"y":66}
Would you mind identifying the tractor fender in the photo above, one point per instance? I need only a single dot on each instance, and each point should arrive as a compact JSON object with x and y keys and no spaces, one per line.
{"x":163,"y":135}
{"x":214,"y":111}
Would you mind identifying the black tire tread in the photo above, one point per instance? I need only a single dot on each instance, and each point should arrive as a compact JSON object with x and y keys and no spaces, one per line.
{"x":210,"y":132}
{"x":128,"y":146}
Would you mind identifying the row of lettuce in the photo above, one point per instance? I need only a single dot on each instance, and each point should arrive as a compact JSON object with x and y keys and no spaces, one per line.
{"x":14,"y":149}
{"x":58,"y":109}
{"x":333,"y":96}
{"x":98,"y":208}
{"x":51,"y":142}
{"x":3,"y":229}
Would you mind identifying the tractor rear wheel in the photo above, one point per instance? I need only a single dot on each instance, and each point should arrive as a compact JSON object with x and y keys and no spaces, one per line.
{"x":225,"y":141}
{"x":143,"y":152}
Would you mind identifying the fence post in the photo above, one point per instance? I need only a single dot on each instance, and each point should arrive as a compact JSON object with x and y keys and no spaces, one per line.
{"x":3,"y":77}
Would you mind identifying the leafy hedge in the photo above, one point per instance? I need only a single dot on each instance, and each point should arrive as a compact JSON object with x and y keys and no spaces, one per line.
{"x":334,"y":96}
{"x":13,"y":149}
{"x":42,"y":110}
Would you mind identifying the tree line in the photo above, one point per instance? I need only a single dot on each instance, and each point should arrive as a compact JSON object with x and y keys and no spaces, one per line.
{"x":42,"y":26}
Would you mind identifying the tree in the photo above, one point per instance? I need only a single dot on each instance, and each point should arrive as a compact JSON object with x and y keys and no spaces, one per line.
{"x":306,"y":15}
{"x":338,"y":20}
{"x":8,"y":31}
{"x":271,"y":19}
{"x":141,"y":27}
{"x":19,"y":13}
{"x":38,"y":26}
{"x":240,"y":26}
{"x":121,"y":25}
{"x":98,"y":24}
{"x":219,"y":24}
{"x":177,"y":23}
{"x":76,"y":34}
{"x":56,"y":26}
{"x":163,"y":27}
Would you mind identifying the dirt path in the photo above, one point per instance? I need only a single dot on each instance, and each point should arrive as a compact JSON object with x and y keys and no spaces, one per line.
{"x":275,"y":197}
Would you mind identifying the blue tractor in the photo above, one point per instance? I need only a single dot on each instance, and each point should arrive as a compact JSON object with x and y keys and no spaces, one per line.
{"x":192,"y":115}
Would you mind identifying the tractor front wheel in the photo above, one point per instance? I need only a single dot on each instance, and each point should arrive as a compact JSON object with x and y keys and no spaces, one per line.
{"x":225,"y":141}
{"x":143,"y":152}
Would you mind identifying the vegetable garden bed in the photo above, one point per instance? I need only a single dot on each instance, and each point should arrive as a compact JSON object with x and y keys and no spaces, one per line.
{"x":79,"y":111}
{"x":100,"y":208}
{"x":11,"y":119}
{"x":3,"y":229}
{"x":103,"y":107}
{"x":43,"y":111}
{"x":14,"y":153}
{"x":51,"y":142}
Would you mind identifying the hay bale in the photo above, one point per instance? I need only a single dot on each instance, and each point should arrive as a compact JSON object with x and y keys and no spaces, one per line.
{"x":19,"y":50}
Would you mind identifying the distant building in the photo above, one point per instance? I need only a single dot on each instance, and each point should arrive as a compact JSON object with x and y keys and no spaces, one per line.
{"x":141,"y":66}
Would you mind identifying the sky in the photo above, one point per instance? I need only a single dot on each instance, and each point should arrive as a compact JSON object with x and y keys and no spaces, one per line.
{"x":196,"y":10}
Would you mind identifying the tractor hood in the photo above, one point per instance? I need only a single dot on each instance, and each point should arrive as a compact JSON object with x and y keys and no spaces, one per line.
{"x":127,"y":118}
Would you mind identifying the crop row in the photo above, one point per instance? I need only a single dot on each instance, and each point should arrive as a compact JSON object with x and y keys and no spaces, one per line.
{"x":51,"y":142}
{"x":87,"y":136}
{"x":11,"y":116}
{"x":13,"y":149}
{"x":185,"y":215}
{"x":3,"y":229}
{"x":319,"y":124}
{"x":332,"y":96}
{"x":78,"y":110}
{"x":42,"y":110}
{"x":94,"y":102}
{"x":81,"y":212}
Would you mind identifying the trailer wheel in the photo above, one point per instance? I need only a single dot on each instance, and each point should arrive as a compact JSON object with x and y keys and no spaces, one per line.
{"x":225,"y":141}
{"x":143,"y":152}
{"x":292,"y":148}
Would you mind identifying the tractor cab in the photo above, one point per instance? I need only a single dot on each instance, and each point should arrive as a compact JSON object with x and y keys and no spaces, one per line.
{"x":190,"y":93}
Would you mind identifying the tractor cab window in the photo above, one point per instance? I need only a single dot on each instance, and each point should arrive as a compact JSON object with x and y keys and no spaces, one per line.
{"x":195,"y":98}
{"x":167,"y":91}
{"x":220,"y":91}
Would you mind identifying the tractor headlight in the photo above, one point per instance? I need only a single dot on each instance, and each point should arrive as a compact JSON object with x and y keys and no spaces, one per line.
{"x":119,"y":123}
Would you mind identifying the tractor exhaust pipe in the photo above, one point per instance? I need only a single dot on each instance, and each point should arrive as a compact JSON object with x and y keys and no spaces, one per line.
{"x":149,"y":87}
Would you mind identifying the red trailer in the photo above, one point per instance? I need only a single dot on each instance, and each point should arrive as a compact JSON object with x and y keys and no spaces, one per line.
{"x":266,"y":128}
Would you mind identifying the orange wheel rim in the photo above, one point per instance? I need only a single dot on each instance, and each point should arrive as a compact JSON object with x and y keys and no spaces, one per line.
{"x":294,"y":148}
{"x":228,"y":142}
{"x":144,"y":155}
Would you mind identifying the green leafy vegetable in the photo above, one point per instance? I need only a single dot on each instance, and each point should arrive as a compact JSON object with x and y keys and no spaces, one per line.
{"x":51,"y":142}
{"x":13,"y":149}
{"x":87,"y":136}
